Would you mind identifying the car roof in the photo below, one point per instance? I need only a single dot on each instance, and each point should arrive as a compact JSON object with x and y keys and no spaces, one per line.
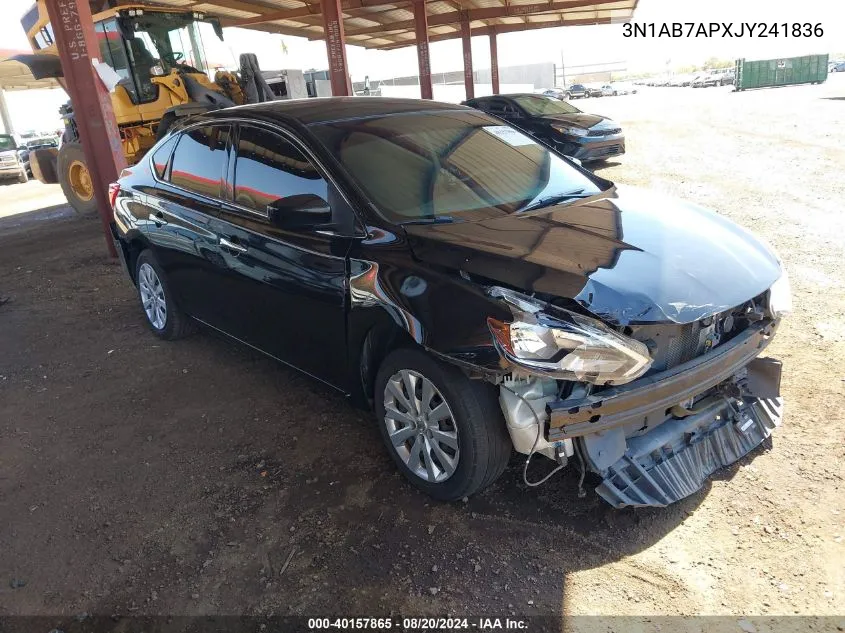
{"x":325,"y":109}
{"x":511,"y":95}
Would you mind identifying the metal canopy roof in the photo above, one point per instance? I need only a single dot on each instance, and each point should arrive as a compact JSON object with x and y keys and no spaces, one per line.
{"x":16,"y":76}
{"x":383,"y":24}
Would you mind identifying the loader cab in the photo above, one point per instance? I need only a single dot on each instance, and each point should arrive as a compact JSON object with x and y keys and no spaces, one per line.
{"x":140,"y":44}
{"x":160,"y":60}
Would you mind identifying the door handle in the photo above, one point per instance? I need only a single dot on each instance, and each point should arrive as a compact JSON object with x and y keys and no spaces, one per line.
{"x":158,"y":218}
{"x":232,"y":246}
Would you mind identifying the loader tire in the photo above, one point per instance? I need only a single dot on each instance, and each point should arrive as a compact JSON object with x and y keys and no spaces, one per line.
{"x":42,"y":162}
{"x":75,"y":178}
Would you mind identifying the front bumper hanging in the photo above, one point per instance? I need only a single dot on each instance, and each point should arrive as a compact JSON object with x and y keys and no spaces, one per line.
{"x":648,"y":456}
{"x":655,"y":471}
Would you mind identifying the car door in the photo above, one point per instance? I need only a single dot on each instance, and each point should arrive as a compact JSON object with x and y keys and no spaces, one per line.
{"x":185,"y":201}
{"x":189,"y":171}
{"x":285,"y":289}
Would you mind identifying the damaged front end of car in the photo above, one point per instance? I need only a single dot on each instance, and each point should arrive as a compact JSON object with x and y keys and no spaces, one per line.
{"x":652,"y":409}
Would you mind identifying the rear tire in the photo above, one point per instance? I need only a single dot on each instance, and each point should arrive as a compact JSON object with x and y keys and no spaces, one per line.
{"x":76,"y":179}
{"x":42,"y":163}
{"x":476,"y":444}
{"x":161,"y":311}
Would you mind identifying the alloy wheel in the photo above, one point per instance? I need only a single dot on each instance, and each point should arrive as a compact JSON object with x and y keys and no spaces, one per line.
{"x":421,"y":426}
{"x":152,"y":296}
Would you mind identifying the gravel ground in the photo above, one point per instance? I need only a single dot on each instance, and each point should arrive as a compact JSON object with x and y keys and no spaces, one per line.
{"x":140,"y":477}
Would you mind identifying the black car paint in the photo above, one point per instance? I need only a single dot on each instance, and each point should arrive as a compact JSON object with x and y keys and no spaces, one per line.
{"x":584,"y":148}
{"x":609,"y":254}
{"x":327,"y":302}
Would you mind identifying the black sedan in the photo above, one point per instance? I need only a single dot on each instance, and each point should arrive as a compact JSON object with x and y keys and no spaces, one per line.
{"x":587,"y":137}
{"x":478,"y":291}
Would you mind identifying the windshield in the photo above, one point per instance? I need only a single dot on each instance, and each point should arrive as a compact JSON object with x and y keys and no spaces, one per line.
{"x":455,"y":165}
{"x":541,"y":106}
{"x":171,"y":38}
{"x":7,"y":142}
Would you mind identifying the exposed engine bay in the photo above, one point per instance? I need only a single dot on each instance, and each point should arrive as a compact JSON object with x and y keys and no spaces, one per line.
{"x":704,"y":401}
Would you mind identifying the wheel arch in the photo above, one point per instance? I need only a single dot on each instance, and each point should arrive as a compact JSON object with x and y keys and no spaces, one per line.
{"x":133,"y":244}
{"x":417,"y":308}
{"x":374,"y":342}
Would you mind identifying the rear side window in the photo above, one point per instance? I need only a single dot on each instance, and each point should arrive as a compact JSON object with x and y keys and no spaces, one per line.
{"x":496,"y":106}
{"x":161,"y":156}
{"x":268,"y":167}
{"x":200,"y":159}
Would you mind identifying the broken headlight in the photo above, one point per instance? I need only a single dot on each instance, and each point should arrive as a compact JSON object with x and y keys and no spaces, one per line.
{"x":780,"y":296}
{"x":571,"y":131}
{"x":565,"y":345}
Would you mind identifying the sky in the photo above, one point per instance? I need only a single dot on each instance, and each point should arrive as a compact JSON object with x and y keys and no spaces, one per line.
{"x":576,"y":46}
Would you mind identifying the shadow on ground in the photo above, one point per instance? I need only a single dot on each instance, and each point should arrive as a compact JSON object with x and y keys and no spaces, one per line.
{"x":144,"y":477}
{"x":602,"y":165}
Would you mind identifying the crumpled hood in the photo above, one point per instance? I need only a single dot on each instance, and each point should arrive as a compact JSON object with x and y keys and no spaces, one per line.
{"x":578,"y":119}
{"x":631,"y":257}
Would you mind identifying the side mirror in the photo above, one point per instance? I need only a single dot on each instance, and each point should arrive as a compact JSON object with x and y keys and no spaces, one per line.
{"x":300,"y":212}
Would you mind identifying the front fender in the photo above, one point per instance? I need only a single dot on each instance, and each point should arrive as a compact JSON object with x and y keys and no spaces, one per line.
{"x":437,"y":310}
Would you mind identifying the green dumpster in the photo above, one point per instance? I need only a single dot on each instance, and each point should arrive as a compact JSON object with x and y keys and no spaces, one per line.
{"x":787,"y":71}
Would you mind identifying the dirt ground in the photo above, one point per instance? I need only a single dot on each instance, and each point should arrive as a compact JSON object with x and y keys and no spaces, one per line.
{"x":140,"y":477}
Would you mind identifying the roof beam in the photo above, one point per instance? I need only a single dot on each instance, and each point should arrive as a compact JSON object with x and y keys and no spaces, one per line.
{"x":238,"y":5}
{"x":501,"y":28}
{"x":352,"y":7}
{"x":454,"y":17}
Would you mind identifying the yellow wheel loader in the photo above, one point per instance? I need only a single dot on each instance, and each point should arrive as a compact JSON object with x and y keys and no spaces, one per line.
{"x":159,"y":56}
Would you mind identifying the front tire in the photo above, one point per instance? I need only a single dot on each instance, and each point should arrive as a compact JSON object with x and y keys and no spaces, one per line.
{"x":162,"y":313}
{"x":445,"y":432}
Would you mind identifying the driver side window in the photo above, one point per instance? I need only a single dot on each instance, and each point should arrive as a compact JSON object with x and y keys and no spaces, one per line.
{"x":501,"y":108}
{"x":493,"y":106}
{"x":269,"y":168}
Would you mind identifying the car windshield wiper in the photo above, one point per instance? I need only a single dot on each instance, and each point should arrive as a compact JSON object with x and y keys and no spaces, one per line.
{"x":438,"y":219}
{"x":550,"y":201}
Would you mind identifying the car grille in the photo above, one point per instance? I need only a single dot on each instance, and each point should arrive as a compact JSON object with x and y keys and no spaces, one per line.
{"x":8,"y":160}
{"x":610,"y":150}
{"x":674,"y":344}
{"x":605,"y":132}
{"x":685,"y":346}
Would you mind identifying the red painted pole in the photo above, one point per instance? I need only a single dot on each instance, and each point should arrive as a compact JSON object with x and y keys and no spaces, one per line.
{"x":73,"y":31}
{"x":423,"y":59}
{"x":494,"y":62}
{"x":465,"y":38}
{"x":336,"y":48}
